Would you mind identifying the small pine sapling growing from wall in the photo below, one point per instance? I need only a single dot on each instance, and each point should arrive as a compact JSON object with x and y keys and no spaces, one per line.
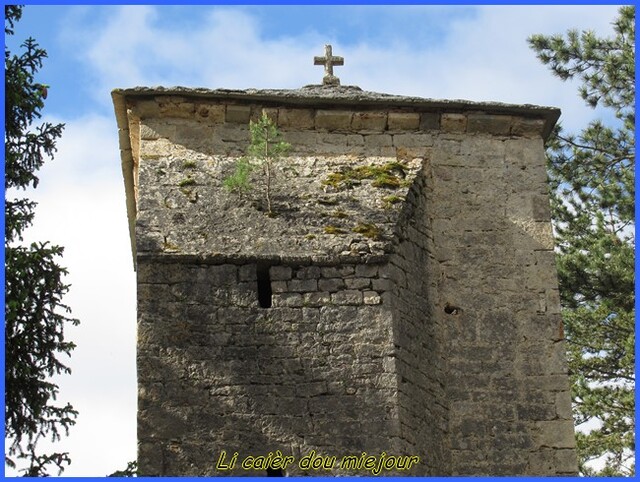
{"x":265,"y":149}
{"x":239,"y":181}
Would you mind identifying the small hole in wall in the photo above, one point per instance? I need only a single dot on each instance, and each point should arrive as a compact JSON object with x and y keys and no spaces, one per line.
{"x":274,"y":472}
{"x":451,"y":310}
{"x":264,"y":286}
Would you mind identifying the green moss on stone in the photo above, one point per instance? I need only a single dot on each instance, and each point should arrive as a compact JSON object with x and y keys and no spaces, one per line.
{"x":390,"y":175}
{"x":387,"y":181}
{"x":367,"y":230}
{"x":389,"y":201}
{"x":334,"y":230}
{"x":392,"y":199}
{"x":187,"y":182}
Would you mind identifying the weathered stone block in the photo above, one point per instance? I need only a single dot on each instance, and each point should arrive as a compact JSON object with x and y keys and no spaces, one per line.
{"x":301,"y":141}
{"x":238,"y":114}
{"x":410,"y":153}
{"x":552,"y":306}
{"x":429,"y":121}
{"x":489,"y":124}
{"x":385,"y":271}
{"x":312,"y":389}
{"x":347,"y":297}
{"x":247,"y":272}
{"x":371,"y":298}
{"x":379,"y":151}
{"x":536,"y":411}
{"x":228,"y":132}
{"x":308,"y":272}
{"x":378,"y":140}
{"x":418,"y":140}
{"x":355,"y":140}
{"x":302,"y":285}
{"x":366,"y":270}
{"x":317,"y":299}
{"x":453,"y":122}
{"x":331,"y":284}
{"x":277,"y":273}
{"x":357,"y":283}
{"x":527,"y":127}
{"x":287,"y":299}
{"x":403,"y":121}
{"x":210,"y":113}
{"x":222,"y":275}
{"x":332,"y":142}
{"x":177,"y":108}
{"x":541,"y":208}
{"x":333,"y":120}
{"x":381,"y":284}
{"x":296,"y":118}
{"x":563,"y":405}
{"x":565,"y":462}
{"x":279,"y":287}
{"x":369,"y":121}
{"x":337,"y":271}
{"x":542,"y":462}
{"x":146,"y":108}
{"x":556,"y":434}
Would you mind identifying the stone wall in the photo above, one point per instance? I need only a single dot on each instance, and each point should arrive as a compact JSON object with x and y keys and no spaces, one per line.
{"x":507,"y":388}
{"x":415,"y":316}
{"x":314,"y":371}
{"x":421,"y":362}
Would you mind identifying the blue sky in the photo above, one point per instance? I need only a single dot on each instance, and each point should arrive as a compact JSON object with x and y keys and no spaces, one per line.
{"x":468,"y":52}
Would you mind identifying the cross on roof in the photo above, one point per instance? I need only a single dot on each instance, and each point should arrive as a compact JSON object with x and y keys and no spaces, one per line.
{"x":329,"y":61}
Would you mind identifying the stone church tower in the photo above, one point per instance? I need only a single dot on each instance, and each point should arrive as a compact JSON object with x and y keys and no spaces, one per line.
{"x":401,"y":306}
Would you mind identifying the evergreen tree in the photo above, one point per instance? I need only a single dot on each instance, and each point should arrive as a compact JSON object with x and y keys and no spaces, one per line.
{"x":265,"y":149}
{"x":592,"y":175}
{"x":34,"y":314}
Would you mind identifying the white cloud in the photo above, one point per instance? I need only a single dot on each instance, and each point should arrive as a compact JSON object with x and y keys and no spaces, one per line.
{"x":226,"y":50}
{"x":87,"y":152}
{"x":482,"y":56}
{"x":81,"y":207}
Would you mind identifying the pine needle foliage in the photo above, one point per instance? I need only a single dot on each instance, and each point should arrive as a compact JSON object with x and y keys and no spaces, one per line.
{"x":593,"y":197}
{"x":35,"y":316}
{"x":265,"y":149}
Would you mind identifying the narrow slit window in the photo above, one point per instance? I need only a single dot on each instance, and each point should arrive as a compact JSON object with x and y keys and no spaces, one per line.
{"x":264,"y":286}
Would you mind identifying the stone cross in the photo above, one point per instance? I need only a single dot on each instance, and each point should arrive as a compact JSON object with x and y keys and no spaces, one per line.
{"x":329,"y":61}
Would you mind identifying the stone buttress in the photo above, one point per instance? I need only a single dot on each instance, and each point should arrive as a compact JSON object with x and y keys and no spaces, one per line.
{"x":403,"y":300}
